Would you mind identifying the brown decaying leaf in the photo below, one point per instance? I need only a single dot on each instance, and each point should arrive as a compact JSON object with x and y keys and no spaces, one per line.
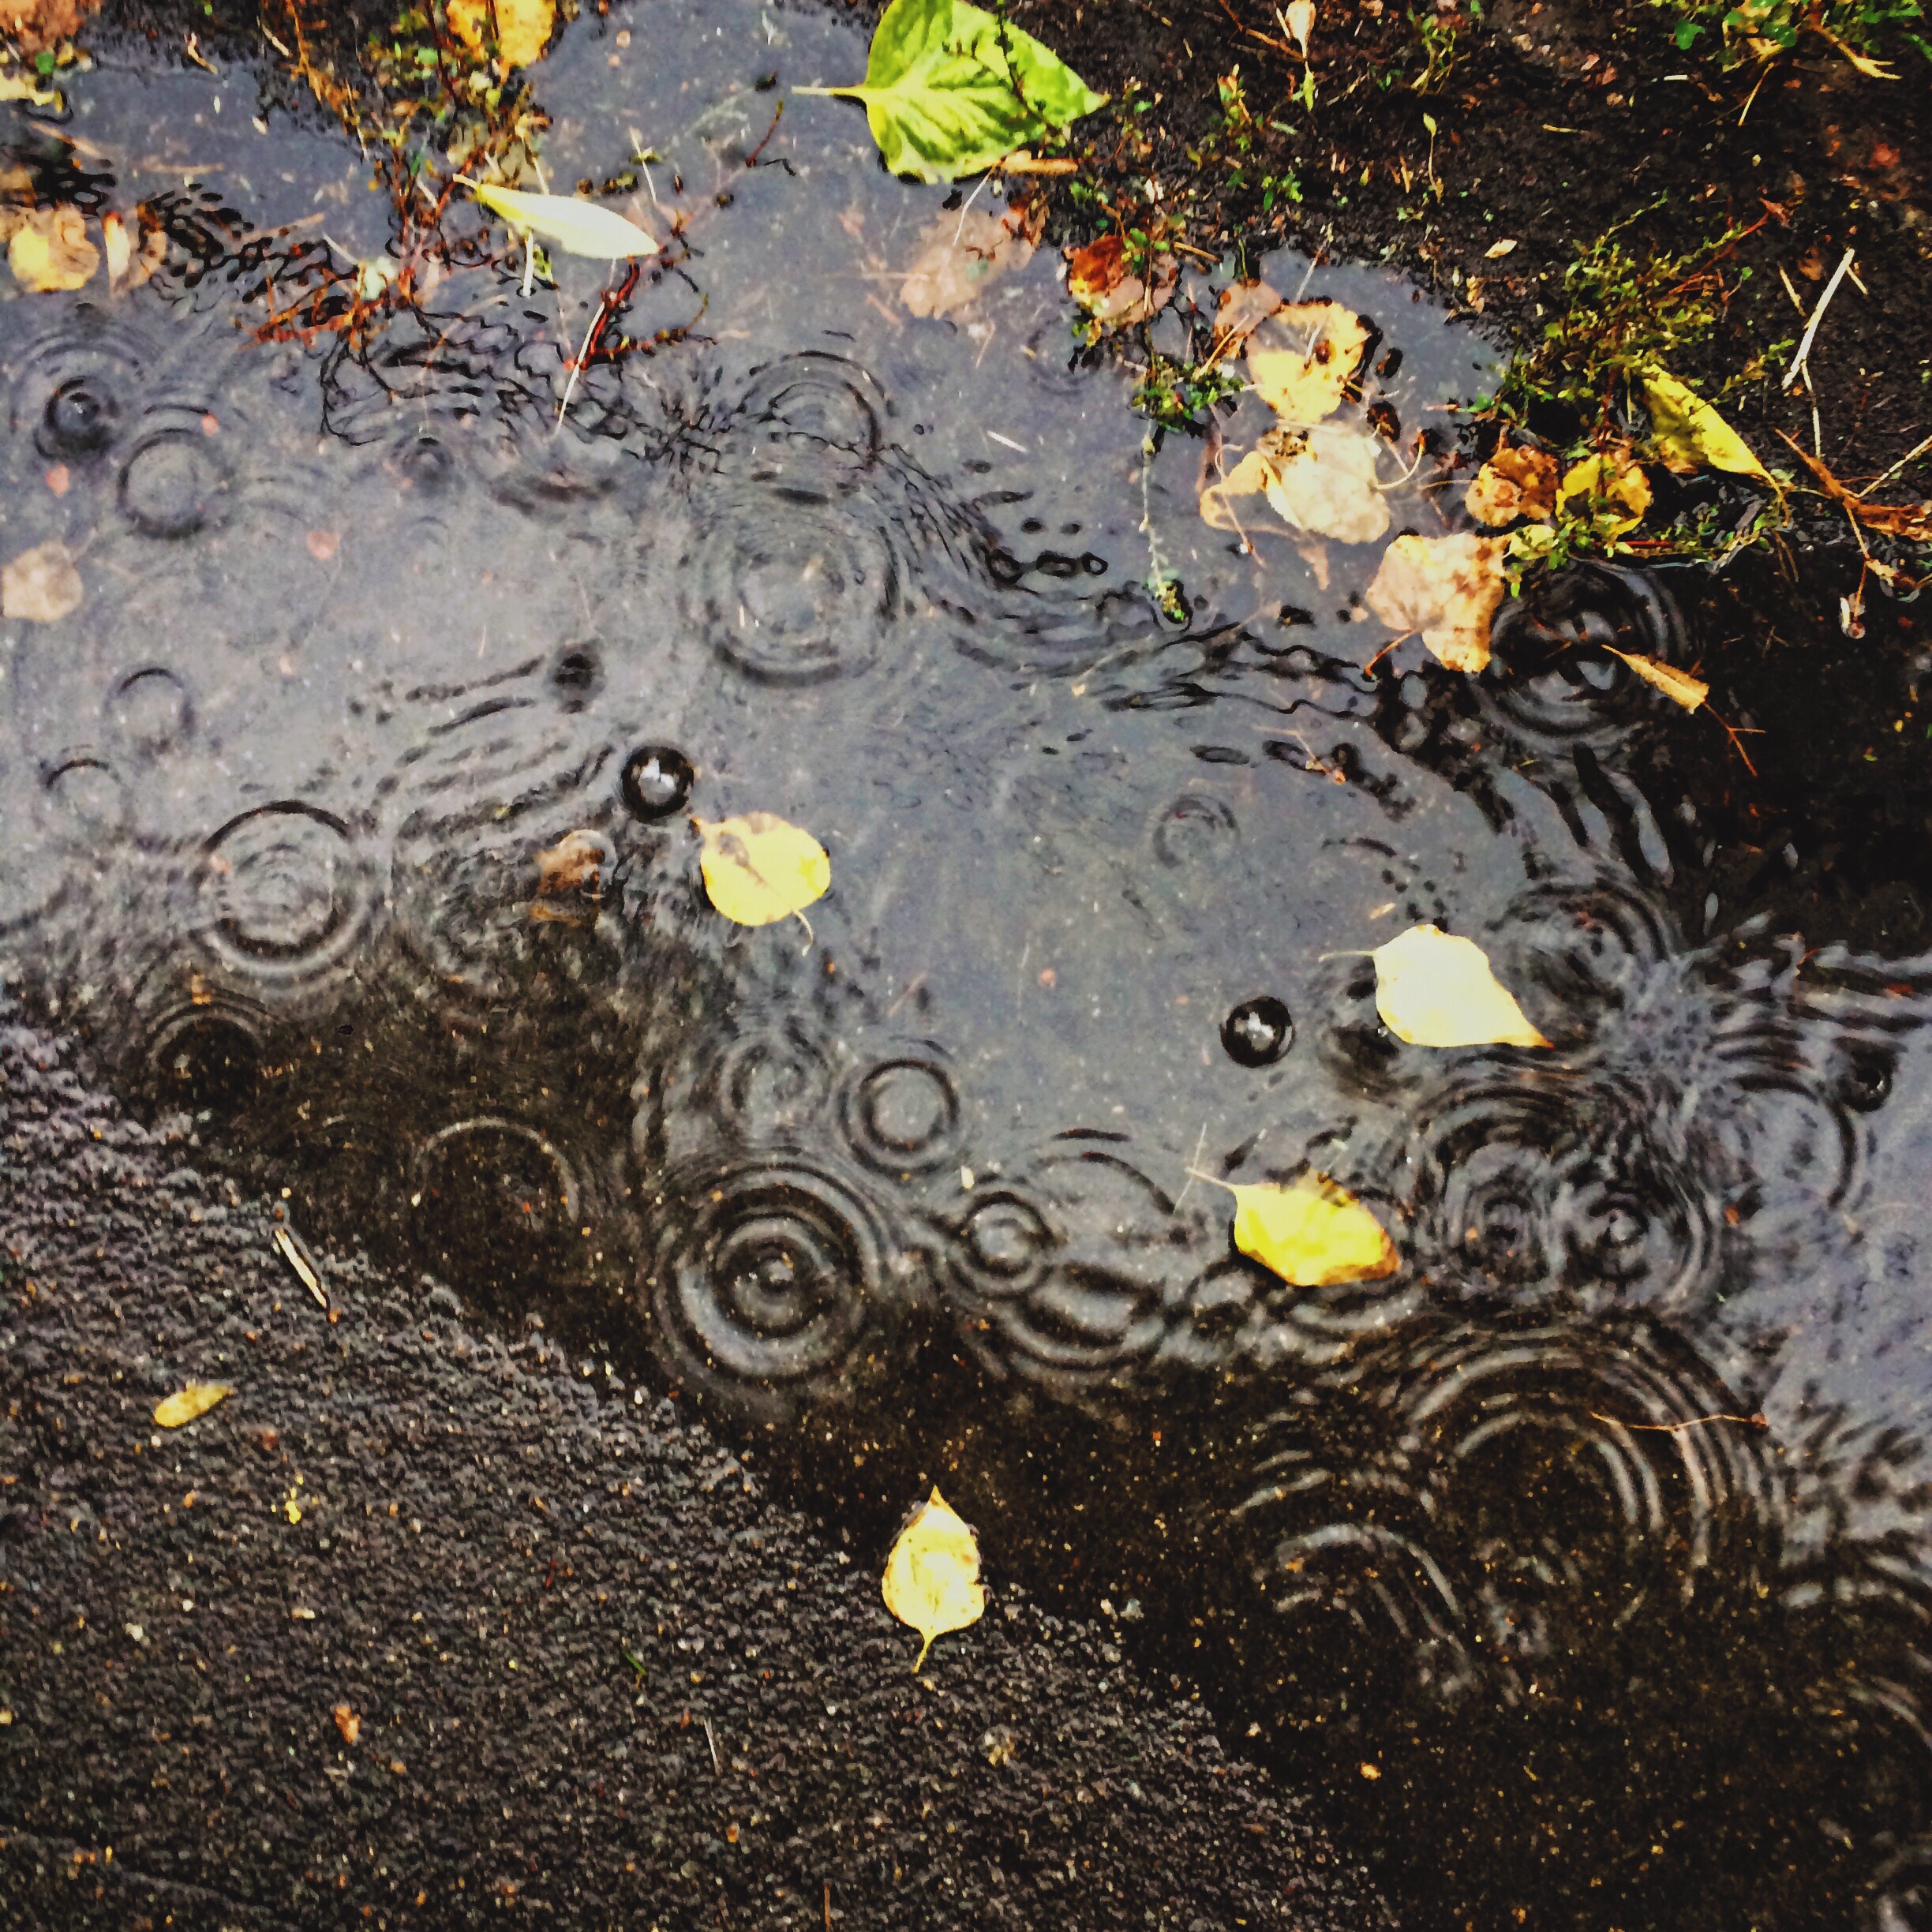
{"x":578,"y":864}
{"x":963,"y":254}
{"x":1322,"y":481}
{"x":49,"y":250}
{"x":1097,"y":279}
{"x":32,"y":25}
{"x":1516,"y":482}
{"x":1913,"y":522}
{"x":41,"y":586}
{"x":347,"y":1723}
{"x":1302,"y":359}
{"x":1446,"y":587}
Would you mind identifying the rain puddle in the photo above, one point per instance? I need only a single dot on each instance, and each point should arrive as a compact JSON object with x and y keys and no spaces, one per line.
{"x":1579,"y":1564}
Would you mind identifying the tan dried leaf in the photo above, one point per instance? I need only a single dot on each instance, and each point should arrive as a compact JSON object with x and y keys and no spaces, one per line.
{"x":41,"y":586}
{"x":50,"y":250}
{"x":1303,"y":359}
{"x":1516,"y":482}
{"x":1243,"y":306}
{"x":1446,"y":587}
{"x":1098,"y":280}
{"x":347,"y":1723}
{"x":1679,"y":685}
{"x":1322,"y":481}
{"x":962,"y":255}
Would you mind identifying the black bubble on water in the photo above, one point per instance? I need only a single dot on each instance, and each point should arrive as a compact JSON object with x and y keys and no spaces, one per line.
{"x":78,"y":421}
{"x":1258,"y":1032}
{"x":657,"y":781}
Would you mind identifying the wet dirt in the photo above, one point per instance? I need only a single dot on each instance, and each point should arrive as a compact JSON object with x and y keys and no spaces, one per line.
{"x":1576,"y":1571}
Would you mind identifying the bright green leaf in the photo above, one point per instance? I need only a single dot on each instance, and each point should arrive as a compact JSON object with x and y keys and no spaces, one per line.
{"x":576,"y":225}
{"x":948,"y":90}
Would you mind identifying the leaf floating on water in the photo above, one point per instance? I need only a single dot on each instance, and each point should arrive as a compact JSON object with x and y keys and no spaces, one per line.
{"x":1680,"y":686}
{"x":1690,"y":434}
{"x":1244,"y":305}
{"x":1446,"y":587}
{"x":196,"y":1399}
{"x":964,"y":254}
{"x":523,"y":28}
{"x":1098,"y":280}
{"x":932,"y":1576}
{"x":41,"y":586}
{"x":949,"y":89}
{"x":1313,"y":1233}
{"x":1321,"y":479}
{"x":576,"y":225}
{"x":1303,"y":358}
{"x":757,"y":869}
{"x":1434,"y":989}
{"x":1516,"y":482}
{"x":50,"y":250}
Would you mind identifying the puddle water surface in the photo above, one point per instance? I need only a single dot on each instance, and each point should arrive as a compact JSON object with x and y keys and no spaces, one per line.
{"x":1580,"y":1563}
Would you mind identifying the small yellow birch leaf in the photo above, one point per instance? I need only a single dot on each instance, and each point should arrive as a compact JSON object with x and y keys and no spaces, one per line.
{"x":21,"y":87}
{"x":1434,"y":989}
{"x":758,"y":870}
{"x":196,"y":1399}
{"x":1615,"y":491}
{"x":1313,"y":1233}
{"x":1302,"y":358}
{"x":1321,"y":479}
{"x":1446,"y":587}
{"x":576,"y":225}
{"x":41,"y":585}
{"x":50,"y":250}
{"x":1680,"y":686}
{"x":1690,"y":434}
{"x":522,"y":27}
{"x":932,"y":1576}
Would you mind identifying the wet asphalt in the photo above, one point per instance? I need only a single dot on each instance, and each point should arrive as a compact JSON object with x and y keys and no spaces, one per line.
{"x":424,"y":1625}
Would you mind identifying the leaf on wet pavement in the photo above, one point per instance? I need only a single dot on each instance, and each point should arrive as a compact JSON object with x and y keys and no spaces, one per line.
{"x":1321,"y":479}
{"x":1679,"y":685}
{"x":1435,"y":990}
{"x":1607,"y":488}
{"x":522,"y":27}
{"x":1243,"y":305}
{"x":758,"y":869}
{"x":186,"y":1404}
{"x":1098,"y":280}
{"x":50,"y":250}
{"x":41,"y":586}
{"x":1311,"y":1232}
{"x":962,"y":255}
{"x":1516,"y":482}
{"x":131,"y":264}
{"x":1302,"y":359}
{"x":1690,"y":434}
{"x":932,"y":1576}
{"x":576,"y":225}
{"x":949,"y":89}
{"x":1447,"y":588}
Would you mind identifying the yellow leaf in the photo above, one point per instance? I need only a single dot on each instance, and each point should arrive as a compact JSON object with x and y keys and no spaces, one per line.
{"x":50,"y":250}
{"x":757,"y":869}
{"x":1302,"y":358}
{"x":196,"y":1399}
{"x":1516,"y":482}
{"x":1679,"y":685}
{"x":1497,"y":250}
{"x":1690,"y":434}
{"x":21,"y":87}
{"x":1446,"y":587}
{"x":41,"y":586}
{"x":1299,"y":19}
{"x":522,"y":27}
{"x":1313,"y":1233}
{"x":1615,"y":491}
{"x":1321,"y":479}
{"x":932,"y":1576}
{"x":1433,"y":990}
{"x":576,"y":225}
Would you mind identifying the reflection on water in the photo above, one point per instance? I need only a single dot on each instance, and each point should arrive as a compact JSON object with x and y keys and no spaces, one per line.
{"x":1582,"y":1561}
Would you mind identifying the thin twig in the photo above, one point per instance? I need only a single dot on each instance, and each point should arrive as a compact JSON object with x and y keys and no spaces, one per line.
{"x":1818,"y":316}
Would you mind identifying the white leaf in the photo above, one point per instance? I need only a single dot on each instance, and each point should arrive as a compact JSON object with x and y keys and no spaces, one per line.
{"x":576,"y":225}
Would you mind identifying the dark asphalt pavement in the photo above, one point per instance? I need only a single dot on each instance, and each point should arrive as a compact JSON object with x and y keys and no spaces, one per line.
{"x":456,"y":1537}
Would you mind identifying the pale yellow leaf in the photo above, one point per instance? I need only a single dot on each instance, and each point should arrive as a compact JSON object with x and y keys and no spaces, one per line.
{"x":1614,"y":492}
{"x":1498,"y":249}
{"x":41,"y":586}
{"x":1298,"y":18}
{"x":120,"y":248}
{"x":196,"y":1399}
{"x":1321,"y":479}
{"x":932,"y":1576}
{"x":1434,"y":989}
{"x":522,"y":27}
{"x":1690,"y":434}
{"x":1679,"y":685}
{"x":50,"y":250}
{"x":1516,"y":482}
{"x":1447,"y":588}
{"x":1242,"y":306}
{"x":1313,"y":1233}
{"x":23,"y":87}
{"x":963,"y":255}
{"x":757,"y":869}
{"x":576,"y":225}
{"x":1302,"y":358}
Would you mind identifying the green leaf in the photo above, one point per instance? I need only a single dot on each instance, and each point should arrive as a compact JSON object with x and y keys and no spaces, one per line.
{"x":949,"y":89}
